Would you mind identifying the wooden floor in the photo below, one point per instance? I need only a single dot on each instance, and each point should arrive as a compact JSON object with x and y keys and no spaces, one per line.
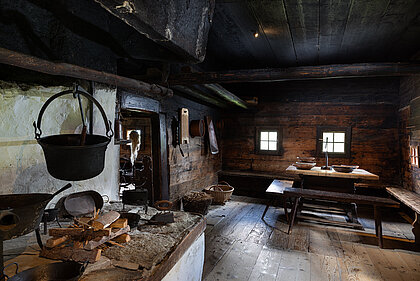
{"x":241,"y":246}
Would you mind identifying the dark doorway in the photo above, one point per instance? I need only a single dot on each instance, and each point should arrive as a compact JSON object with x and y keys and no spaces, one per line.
{"x":139,"y":158}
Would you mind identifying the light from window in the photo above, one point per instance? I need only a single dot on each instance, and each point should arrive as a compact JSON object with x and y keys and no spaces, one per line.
{"x":268,"y":140}
{"x":414,"y":155}
{"x":333,"y":142}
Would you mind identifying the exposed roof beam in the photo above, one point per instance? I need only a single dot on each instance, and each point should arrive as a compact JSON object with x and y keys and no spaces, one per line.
{"x":70,"y":70}
{"x":298,"y":73}
{"x":200,"y":95}
{"x":225,"y":94}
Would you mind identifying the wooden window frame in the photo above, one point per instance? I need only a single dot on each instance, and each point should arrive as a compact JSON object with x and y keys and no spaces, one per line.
{"x":347,"y":141}
{"x":414,"y":156}
{"x":279,"y":131}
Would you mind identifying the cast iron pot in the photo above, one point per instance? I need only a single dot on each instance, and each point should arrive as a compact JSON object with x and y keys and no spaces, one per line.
{"x":69,"y":271}
{"x":66,"y":158}
{"x":22,"y":213}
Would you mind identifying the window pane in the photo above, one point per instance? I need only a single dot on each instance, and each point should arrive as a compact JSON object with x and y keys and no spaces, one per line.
{"x":264,"y":145}
{"x":327,"y":135}
{"x":264,"y":135}
{"x":339,"y":147}
{"x":339,"y":137}
{"x":272,"y":136}
{"x":330,"y":147}
{"x":272,"y":145}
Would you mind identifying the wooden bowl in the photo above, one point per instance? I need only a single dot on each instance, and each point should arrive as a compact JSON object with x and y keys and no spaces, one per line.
{"x":344,"y":168}
{"x":302,"y":159}
{"x":304,"y":166}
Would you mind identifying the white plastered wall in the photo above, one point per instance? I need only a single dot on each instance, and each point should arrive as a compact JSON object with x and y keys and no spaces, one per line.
{"x":22,"y":162}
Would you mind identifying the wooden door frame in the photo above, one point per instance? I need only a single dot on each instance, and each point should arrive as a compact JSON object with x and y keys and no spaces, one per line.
{"x":135,"y":102}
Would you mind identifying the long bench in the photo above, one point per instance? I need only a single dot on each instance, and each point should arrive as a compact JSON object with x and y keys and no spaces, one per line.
{"x":411,"y":200}
{"x":377,"y":202}
{"x":274,"y":192}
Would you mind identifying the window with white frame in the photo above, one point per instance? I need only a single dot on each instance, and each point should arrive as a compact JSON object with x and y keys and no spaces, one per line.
{"x":334,"y":140}
{"x":268,"y":140}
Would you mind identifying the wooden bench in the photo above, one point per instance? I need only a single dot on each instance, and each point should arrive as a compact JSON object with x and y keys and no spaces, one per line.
{"x":411,"y":200}
{"x":275,"y":191}
{"x":377,"y":202}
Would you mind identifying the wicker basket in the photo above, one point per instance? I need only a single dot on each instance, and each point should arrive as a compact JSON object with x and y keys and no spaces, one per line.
{"x":197,"y":202}
{"x":220,"y":192}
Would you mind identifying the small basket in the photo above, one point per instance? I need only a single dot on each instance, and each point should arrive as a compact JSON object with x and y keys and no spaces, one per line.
{"x":220,"y":192}
{"x":197,"y":202}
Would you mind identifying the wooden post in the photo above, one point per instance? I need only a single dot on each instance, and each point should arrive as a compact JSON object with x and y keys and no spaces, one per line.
{"x":378,"y":225}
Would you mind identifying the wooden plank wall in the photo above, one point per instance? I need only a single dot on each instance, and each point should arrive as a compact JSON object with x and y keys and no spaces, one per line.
{"x":409,"y":90}
{"x":369,"y":106}
{"x":199,"y":167}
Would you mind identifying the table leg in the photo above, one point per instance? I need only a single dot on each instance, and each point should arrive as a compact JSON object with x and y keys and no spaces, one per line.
{"x":286,"y":213}
{"x":292,"y":219}
{"x":378,"y":225}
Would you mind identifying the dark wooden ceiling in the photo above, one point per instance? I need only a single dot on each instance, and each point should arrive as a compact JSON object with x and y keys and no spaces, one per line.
{"x":311,"y":32}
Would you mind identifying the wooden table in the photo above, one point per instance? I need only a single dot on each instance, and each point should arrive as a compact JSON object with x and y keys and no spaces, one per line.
{"x":330,"y":180}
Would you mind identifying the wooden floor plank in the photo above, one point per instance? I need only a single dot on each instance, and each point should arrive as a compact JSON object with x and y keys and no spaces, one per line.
{"x":267,"y":265}
{"x":237,"y":263}
{"x":293,"y":266}
{"x":241,"y":246}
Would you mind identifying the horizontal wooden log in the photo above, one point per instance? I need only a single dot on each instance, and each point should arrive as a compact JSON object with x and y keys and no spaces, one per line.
{"x":77,"y":232}
{"x":99,"y":241}
{"x":105,"y":220}
{"x":52,"y":242}
{"x":119,"y":223}
{"x":70,"y":253}
{"x":70,"y":70}
{"x":200,"y":95}
{"x":225,"y":94}
{"x":123,"y":238}
{"x":298,"y":73}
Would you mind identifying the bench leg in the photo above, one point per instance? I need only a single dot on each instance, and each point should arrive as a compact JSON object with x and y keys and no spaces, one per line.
{"x":416,"y":231}
{"x":292,"y":219}
{"x":286,"y":213}
{"x":378,"y":225}
{"x":266,"y":209}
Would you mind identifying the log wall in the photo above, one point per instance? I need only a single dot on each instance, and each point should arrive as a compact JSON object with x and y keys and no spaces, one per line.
{"x":409,"y":90}
{"x":198,"y":168}
{"x":369,"y":106}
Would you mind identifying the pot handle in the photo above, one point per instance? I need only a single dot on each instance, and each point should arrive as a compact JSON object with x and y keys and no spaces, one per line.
{"x":67,"y":186}
{"x":13,"y":263}
{"x":76,"y":90}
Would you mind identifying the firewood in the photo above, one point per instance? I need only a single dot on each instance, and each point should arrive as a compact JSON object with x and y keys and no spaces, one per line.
{"x":119,"y":223}
{"x":78,"y":244}
{"x":123,"y":238}
{"x":126,"y":265}
{"x":84,"y":220}
{"x":70,"y":253}
{"x":115,"y":243}
{"x":99,"y":241}
{"x":105,"y":220}
{"x":78,"y":232}
{"x":52,"y":242}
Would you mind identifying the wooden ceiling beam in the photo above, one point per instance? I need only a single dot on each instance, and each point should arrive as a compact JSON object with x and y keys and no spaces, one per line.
{"x":70,"y":70}
{"x":225,"y":94}
{"x":298,"y":73}
{"x":199,"y":95}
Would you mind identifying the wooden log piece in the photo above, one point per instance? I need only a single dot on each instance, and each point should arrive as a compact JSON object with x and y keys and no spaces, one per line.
{"x":123,"y":238}
{"x":52,"y":242}
{"x":105,"y":220}
{"x":119,"y":223}
{"x":70,"y":253}
{"x":99,"y":241}
{"x":78,"y":232}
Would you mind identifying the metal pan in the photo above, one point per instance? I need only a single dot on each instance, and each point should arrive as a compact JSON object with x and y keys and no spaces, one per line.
{"x":69,"y":271}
